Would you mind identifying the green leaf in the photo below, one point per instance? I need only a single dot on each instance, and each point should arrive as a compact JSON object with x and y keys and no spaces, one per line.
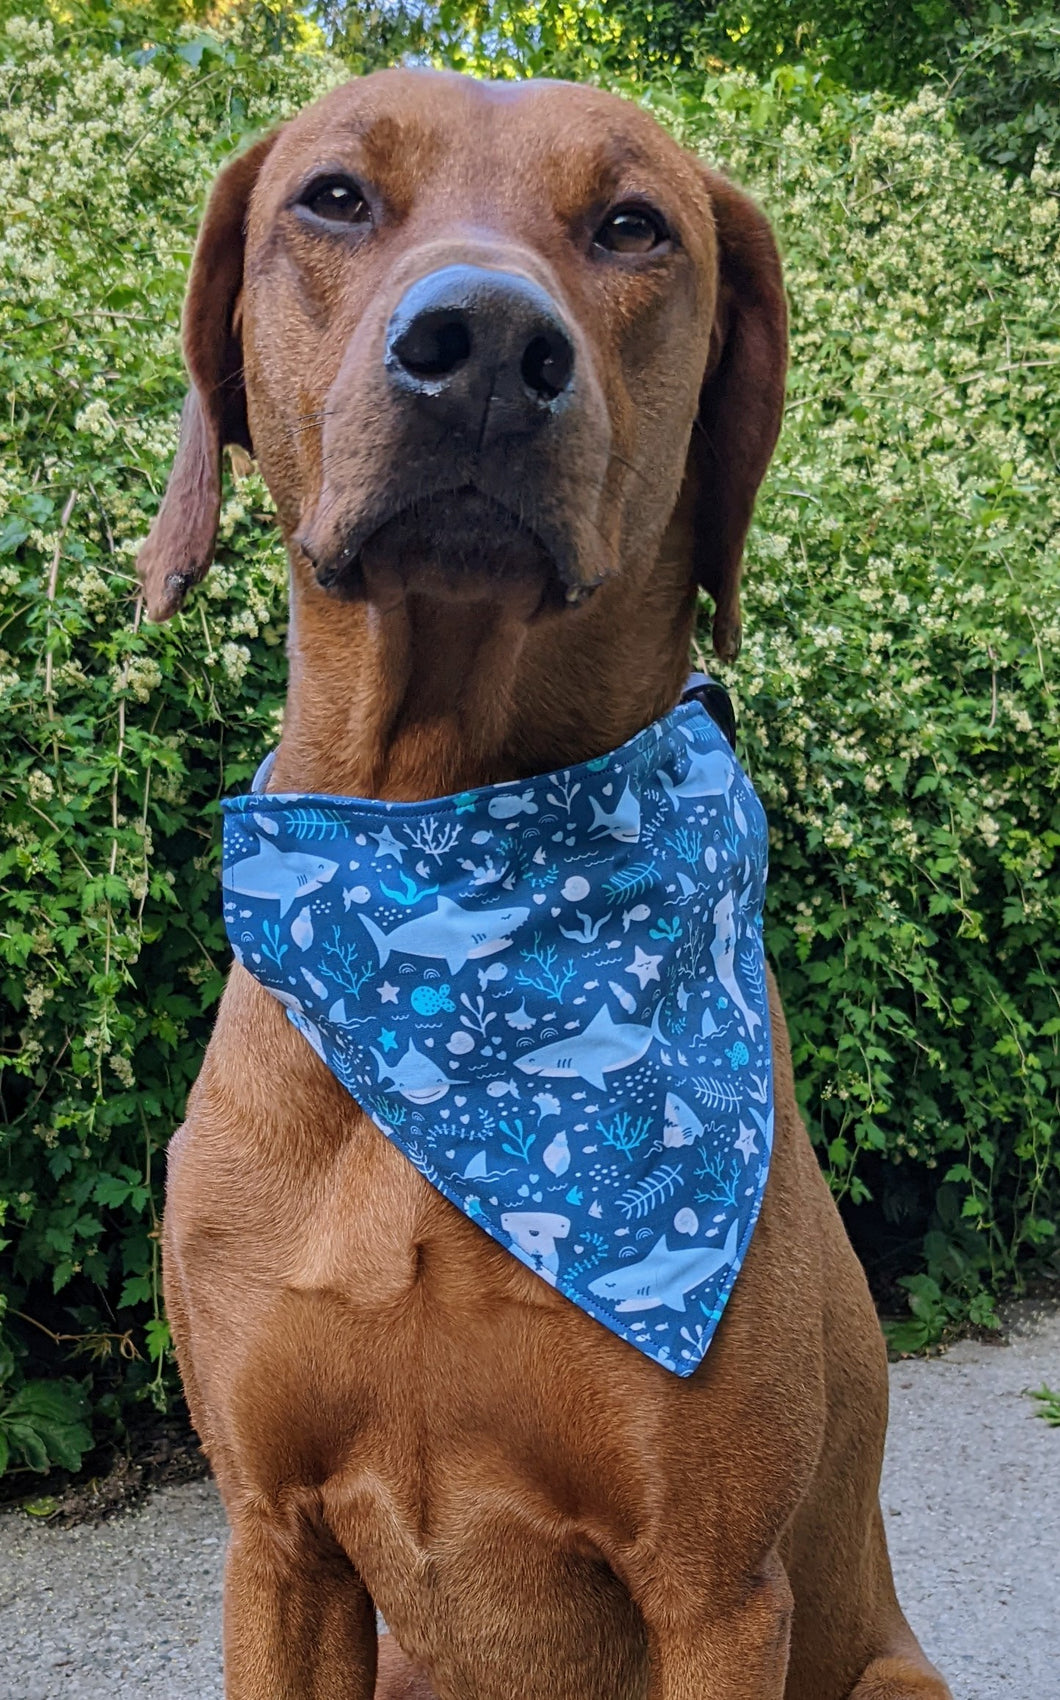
{"x":13,"y":532}
{"x":159,"y":1340}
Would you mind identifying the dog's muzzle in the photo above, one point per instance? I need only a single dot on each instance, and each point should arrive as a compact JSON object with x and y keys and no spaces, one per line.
{"x":484,"y":353}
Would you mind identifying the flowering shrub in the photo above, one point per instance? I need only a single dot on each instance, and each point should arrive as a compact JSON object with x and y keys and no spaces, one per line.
{"x":900,"y":673}
{"x":897,"y":686}
{"x":117,"y":738}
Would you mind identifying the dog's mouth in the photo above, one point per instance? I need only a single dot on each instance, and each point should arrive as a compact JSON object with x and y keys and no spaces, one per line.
{"x":455,"y":545}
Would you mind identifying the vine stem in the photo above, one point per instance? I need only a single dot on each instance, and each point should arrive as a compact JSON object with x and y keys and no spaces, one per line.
{"x":52,"y":591}
{"x":53,"y":586}
{"x":125,"y":1341}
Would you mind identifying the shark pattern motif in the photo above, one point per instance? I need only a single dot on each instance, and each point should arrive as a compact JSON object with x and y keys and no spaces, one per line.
{"x":550,"y":996}
{"x":278,"y":876}
{"x":710,"y":774}
{"x":623,"y":823}
{"x":664,"y":1276}
{"x":453,"y":935}
{"x":415,"y":1076}
{"x":603,"y":1047}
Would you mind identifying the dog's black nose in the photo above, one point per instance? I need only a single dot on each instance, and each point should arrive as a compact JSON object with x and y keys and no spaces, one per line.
{"x":485,"y":352}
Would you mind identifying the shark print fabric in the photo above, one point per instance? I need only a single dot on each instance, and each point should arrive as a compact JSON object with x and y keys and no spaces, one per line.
{"x":550,"y":995}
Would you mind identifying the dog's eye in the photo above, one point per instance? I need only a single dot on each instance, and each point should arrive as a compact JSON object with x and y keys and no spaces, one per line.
{"x":631,"y":230}
{"x":337,"y":200}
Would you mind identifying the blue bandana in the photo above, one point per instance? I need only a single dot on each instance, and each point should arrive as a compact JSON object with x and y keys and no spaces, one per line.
{"x":550,"y":995}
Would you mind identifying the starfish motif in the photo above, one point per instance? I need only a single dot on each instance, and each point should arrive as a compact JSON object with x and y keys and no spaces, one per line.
{"x":387,"y":992}
{"x":388,"y":1040}
{"x":388,"y":845}
{"x":746,"y":1143}
{"x":644,"y":967}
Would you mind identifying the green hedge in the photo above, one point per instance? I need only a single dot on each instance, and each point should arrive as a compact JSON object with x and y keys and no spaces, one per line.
{"x":897,"y":690}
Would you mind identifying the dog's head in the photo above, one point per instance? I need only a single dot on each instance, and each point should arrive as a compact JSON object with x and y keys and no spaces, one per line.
{"x":481,"y":338}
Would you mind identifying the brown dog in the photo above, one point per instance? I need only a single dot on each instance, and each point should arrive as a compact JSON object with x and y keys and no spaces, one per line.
{"x":512,"y":364}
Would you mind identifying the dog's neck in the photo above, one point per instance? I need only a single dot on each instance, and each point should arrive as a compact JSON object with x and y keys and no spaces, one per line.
{"x":408,"y":697}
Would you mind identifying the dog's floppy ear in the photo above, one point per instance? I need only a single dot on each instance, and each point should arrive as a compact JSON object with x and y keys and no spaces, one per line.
{"x":180,"y":546}
{"x":741,"y":402}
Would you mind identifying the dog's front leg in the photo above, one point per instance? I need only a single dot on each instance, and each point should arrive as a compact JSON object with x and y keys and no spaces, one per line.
{"x":299,"y":1623}
{"x":727,"y":1643}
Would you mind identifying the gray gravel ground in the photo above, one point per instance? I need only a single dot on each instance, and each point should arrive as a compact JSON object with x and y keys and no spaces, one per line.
{"x":971,"y":1498}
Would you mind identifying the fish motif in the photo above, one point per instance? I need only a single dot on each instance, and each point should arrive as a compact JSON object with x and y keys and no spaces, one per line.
{"x":432,"y":1000}
{"x":278,"y":876}
{"x":507,"y":807}
{"x":664,"y":1276}
{"x":601,"y":1048}
{"x":451,"y":934}
{"x":624,"y":821}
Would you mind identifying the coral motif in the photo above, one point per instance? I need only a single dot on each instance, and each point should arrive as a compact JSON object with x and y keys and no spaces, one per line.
{"x":556,"y":1009}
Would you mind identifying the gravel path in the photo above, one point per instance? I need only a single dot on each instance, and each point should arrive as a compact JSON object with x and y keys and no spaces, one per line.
{"x":971,"y":1497}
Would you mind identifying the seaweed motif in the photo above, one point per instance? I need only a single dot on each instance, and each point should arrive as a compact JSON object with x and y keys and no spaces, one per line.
{"x":391,"y":1111}
{"x":419,"y":1157}
{"x":759,"y":1088}
{"x":686,"y":844}
{"x":477,"y":1018}
{"x":517,"y":1141}
{"x":540,"y":873}
{"x":568,"y":789}
{"x":270,"y":945}
{"x":666,"y":929}
{"x":410,"y":893}
{"x":690,"y":956}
